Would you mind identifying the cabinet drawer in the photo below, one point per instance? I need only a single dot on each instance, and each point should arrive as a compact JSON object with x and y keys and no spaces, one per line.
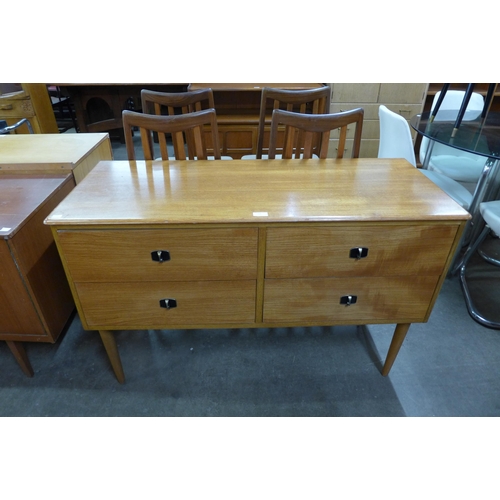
{"x":137,"y":305}
{"x":19,"y":108}
{"x":125,"y":255}
{"x":317,"y":301}
{"x":325,"y":251}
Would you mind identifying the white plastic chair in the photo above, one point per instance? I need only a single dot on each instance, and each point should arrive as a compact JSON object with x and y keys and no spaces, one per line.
{"x":456,"y":164}
{"x":396,"y":142}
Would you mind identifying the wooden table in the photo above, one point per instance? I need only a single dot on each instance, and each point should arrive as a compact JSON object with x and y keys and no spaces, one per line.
{"x":35,"y":299}
{"x":54,"y":153}
{"x":271,"y":243}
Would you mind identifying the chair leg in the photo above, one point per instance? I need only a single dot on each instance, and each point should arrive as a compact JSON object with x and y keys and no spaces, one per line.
{"x":463,"y":107}
{"x":17,"y":349}
{"x":445,"y":88}
{"x":474,"y":313}
{"x":492,"y":87}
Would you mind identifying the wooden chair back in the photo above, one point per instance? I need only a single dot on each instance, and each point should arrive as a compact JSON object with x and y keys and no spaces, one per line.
{"x":176,"y":103}
{"x":309,"y":101}
{"x":187,"y":132}
{"x":310,"y":134}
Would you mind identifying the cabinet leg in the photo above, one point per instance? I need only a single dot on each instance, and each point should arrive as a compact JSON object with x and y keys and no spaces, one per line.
{"x":17,"y":349}
{"x":397,"y":340}
{"x":109,"y":342}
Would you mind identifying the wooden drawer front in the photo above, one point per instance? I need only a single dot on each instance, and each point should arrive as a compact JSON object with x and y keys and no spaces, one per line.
{"x":324,"y":251}
{"x":317,"y":301}
{"x":20,"y":108}
{"x":125,"y":255}
{"x":137,"y":305}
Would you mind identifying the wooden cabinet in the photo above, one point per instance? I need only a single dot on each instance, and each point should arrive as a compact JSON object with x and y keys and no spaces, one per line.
{"x":35,"y":299}
{"x":238,"y":108}
{"x":269,"y":244}
{"x":36,"y":172}
{"x":55,"y":153}
{"x":32,"y":102}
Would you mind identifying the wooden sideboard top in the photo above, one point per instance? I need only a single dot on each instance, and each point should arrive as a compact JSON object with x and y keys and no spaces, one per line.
{"x":47,"y":150}
{"x":254,"y":191}
{"x":21,"y":196}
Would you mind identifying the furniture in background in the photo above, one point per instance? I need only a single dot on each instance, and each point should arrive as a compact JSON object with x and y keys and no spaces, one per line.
{"x":465,"y":103}
{"x":308,"y":134}
{"x":480,"y":137}
{"x":7,"y":129}
{"x":54,"y":153}
{"x":32,"y":101}
{"x":36,"y":173}
{"x":99,"y":106}
{"x":35,"y":299}
{"x":177,"y":103}
{"x":63,"y":107}
{"x":238,"y":109}
{"x":455,"y":163}
{"x":396,"y":142}
{"x":310,"y":101}
{"x":433,"y":88}
{"x":490,"y":211}
{"x":180,"y":244}
{"x":406,"y":99}
{"x":187,"y":132}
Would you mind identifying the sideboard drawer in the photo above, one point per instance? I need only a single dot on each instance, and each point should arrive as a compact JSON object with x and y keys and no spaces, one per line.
{"x":318,"y":300}
{"x":126,"y":255}
{"x":390,"y":250}
{"x":137,"y":305}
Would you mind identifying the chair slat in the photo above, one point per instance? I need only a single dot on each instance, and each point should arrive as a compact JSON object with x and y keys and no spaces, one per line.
{"x":187,"y":131}
{"x":313,"y":134}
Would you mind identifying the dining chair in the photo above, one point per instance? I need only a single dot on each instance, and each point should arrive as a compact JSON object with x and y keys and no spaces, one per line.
{"x":308,"y":134}
{"x":178,"y":103}
{"x":308,"y":101}
{"x":490,"y":211}
{"x":455,"y":163}
{"x":187,"y":132}
{"x":175,"y":103}
{"x":396,"y":142}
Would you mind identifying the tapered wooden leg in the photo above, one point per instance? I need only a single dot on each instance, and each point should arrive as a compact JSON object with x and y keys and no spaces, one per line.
{"x":396,"y":342}
{"x":17,"y":349}
{"x":109,"y":342}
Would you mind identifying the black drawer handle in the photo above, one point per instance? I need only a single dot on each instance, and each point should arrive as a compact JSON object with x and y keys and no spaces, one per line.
{"x":358,"y":253}
{"x":160,"y":255}
{"x":168,"y":303}
{"x":348,"y":300}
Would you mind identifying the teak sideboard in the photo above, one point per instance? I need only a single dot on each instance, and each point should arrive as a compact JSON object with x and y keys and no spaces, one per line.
{"x":265,"y":243}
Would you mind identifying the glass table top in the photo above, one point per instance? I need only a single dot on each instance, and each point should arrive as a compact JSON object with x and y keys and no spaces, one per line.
{"x":475,"y":135}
